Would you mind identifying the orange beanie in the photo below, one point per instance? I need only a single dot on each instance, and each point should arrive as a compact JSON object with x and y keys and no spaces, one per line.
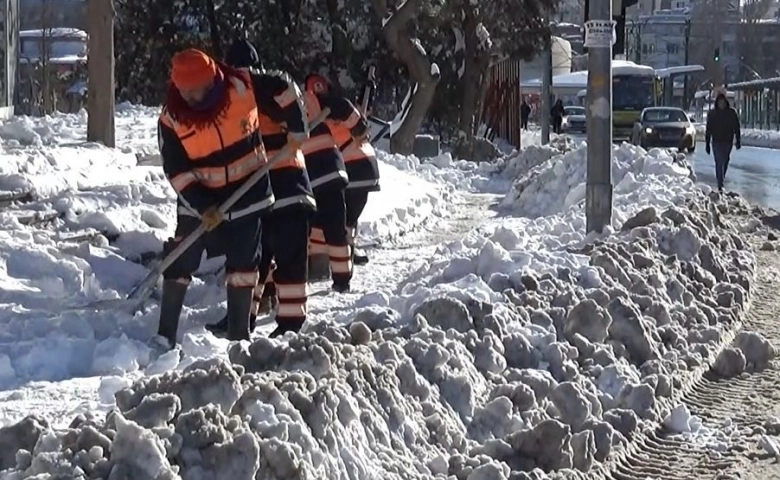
{"x":192,"y":68}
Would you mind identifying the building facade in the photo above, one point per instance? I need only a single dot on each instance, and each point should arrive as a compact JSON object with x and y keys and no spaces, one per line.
{"x":661,"y":39}
{"x":758,"y":49}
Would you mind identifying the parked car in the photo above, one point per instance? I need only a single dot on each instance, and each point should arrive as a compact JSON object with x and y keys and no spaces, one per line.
{"x":664,"y":127}
{"x":574,"y":121}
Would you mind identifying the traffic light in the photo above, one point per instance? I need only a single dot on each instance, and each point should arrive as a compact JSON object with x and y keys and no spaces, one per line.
{"x":716,"y":55}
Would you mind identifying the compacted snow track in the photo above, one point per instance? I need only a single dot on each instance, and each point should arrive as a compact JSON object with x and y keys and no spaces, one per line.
{"x":393,"y":261}
{"x":734,"y":414}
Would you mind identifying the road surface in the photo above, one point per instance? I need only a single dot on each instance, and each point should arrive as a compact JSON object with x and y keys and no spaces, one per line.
{"x":754,"y":173}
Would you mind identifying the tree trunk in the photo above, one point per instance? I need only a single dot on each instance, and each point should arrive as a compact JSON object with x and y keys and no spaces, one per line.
{"x":46,"y":99}
{"x":475,"y":67}
{"x":216,"y":38}
{"x":100,"y":64}
{"x":403,"y":44}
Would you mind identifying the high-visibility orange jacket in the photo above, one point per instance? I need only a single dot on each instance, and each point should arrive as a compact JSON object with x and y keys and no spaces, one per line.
{"x":351,"y":136}
{"x":323,"y":159}
{"x":205,"y":165}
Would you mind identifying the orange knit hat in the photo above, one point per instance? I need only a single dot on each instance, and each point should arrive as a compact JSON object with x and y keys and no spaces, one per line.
{"x":192,"y":69}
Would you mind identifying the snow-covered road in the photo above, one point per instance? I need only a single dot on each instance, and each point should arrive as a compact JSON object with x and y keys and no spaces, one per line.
{"x":754,"y":173}
{"x":487,"y":337}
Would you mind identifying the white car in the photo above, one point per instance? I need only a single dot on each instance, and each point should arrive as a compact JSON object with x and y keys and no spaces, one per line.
{"x":574,"y":121}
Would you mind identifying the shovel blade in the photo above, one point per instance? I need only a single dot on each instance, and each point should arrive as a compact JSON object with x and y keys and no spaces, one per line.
{"x":106,"y":305}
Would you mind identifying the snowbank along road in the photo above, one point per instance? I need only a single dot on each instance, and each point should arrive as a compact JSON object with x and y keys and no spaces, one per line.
{"x":751,"y":137}
{"x":482,"y":344}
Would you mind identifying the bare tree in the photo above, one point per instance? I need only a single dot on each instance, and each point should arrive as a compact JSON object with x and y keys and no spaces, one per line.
{"x":750,"y":40}
{"x":47,"y":91}
{"x":709,"y":22}
{"x":399,"y":35}
{"x":100,"y":62}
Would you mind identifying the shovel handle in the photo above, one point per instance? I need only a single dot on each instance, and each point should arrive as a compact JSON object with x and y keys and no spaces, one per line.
{"x":193,"y":237}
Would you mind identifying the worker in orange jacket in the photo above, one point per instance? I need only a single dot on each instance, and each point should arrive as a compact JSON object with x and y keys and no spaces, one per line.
{"x":351,"y":132}
{"x":210,"y":144}
{"x":285,"y":239}
{"x":329,"y":179}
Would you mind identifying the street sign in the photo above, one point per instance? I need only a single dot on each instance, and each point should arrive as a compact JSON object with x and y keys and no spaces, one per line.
{"x":600,"y":33}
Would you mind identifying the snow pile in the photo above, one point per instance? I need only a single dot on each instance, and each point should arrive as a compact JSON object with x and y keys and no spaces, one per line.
{"x":136,"y":127}
{"x":517,"y":370}
{"x":750,"y":137}
{"x":453,"y":174}
{"x":86,"y":227}
{"x":520,"y":163}
{"x":471,"y":176}
{"x":84,"y":190}
{"x":404,"y":202}
{"x":558,"y":184}
{"x":87,"y":189}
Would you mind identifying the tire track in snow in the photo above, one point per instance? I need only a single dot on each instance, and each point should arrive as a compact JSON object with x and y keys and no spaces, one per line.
{"x":734,"y":409}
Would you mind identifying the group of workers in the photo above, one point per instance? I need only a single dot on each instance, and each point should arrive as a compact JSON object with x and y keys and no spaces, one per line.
{"x":222,"y":122}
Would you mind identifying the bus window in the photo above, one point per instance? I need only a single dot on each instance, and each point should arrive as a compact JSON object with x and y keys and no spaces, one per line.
{"x":632,"y":92}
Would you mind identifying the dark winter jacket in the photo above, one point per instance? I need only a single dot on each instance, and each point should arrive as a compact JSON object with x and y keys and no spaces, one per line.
{"x":557,"y":111}
{"x":525,"y":111}
{"x":243,"y":54}
{"x":722,"y":124}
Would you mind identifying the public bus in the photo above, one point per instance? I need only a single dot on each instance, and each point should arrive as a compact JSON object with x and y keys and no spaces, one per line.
{"x":634,"y":88}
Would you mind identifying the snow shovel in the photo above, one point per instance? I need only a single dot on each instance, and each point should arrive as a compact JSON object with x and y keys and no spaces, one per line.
{"x":144,"y":289}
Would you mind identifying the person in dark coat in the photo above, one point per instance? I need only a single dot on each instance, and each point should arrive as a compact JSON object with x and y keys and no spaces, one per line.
{"x":243,"y":54}
{"x":557,"y":113}
{"x":525,"y":113}
{"x":723,"y":133}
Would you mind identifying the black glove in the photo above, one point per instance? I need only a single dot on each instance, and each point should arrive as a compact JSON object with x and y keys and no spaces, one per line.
{"x":169,"y":246}
{"x":739,"y":144}
{"x":707,"y":148}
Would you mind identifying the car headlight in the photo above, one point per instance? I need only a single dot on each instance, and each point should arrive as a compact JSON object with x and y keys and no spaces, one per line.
{"x":648,"y":130}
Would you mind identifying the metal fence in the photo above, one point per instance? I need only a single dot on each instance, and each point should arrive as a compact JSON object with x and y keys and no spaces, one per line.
{"x":501,"y":106}
{"x":758,"y":103}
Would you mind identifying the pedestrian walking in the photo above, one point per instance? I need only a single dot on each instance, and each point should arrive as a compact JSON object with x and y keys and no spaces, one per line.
{"x":721,"y":135}
{"x":557,"y":112}
{"x":525,"y":113}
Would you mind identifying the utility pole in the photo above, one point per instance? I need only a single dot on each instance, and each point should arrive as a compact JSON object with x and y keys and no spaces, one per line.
{"x":547,"y":86}
{"x":599,"y":38}
{"x":687,"y":53}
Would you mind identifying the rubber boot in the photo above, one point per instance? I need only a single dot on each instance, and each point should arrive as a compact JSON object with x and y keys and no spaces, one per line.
{"x":287,"y":326}
{"x":239,"y":300}
{"x":221,"y":327}
{"x":267,"y":304}
{"x":170,"y":310}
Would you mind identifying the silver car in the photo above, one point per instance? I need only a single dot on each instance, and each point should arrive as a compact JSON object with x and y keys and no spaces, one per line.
{"x":574,"y":121}
{"x":664,"y":127}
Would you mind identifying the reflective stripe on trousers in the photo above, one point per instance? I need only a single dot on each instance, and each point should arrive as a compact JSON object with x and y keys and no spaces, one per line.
{"x":340,"y":259}
{"x":292,"y":301}
{"x":317,"y":244}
